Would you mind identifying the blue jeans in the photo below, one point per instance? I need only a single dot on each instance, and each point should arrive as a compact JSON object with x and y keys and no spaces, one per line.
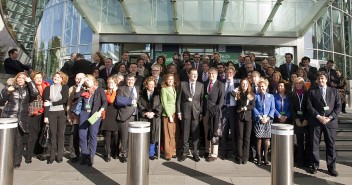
{"x":88,"y":132}
{"x":152,"y":148}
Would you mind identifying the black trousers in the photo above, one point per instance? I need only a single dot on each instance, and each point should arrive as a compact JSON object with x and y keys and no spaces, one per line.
{"x":110,"y":136}
{"x":57,"y":125}
{"x":35,"y":126}
{"x":252,"y":144}
{"x":229,"y":114}
{"x":18,"y":146}
{"x":190,"y":126}
{"x":74,"y":141}
{"x":329,"y":138}
{"x":303,"y":142}
{"x":123,"y":130}
{"x":243,"y":134}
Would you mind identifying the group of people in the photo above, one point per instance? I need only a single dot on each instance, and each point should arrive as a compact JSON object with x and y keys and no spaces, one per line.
{"x":238,"y":100}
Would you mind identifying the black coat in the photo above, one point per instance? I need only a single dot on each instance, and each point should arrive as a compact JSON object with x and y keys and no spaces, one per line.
{"x":152,"y":105}
{"x":63,"y":101}
{"x":81,"y":66}
{"x":17,"y":103}
{"x":242,"y":102}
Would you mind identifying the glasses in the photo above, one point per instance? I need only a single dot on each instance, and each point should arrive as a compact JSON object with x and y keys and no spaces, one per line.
{"x":196,"y":57}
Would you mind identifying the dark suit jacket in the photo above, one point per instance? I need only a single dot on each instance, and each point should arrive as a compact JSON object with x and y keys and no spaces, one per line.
{"x":244,"y":101}
{"x":295,"y":107}
{"x":242,"y":72}
{"x":283,"y":71}
{"x":183,"y":75}
{"x":81,"y":66}
{"x":126,"y":111}
{"x":184,"y":106}
{"x":316,"y":104}
{"x":103,"y":74}
{"x":14,"y":66}
{"x":199,"y":70}
{"x":333,"y":75}
{"x":215,"y":98}
{"x":312,"y":74}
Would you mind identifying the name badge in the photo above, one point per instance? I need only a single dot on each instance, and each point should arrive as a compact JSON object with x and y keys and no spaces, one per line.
{"x":264,"y":116}
{"x":299,"y":112}
{"x":87,"y":106}
{"x":190,"y":99}
{"x":282,"y":113}
{"x":326,"y":108}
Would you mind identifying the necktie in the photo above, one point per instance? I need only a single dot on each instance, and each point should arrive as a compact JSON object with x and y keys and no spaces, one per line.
{"x":228,"y":92}
{"x":108,"y":72}
{"x":210,"y":86}
{"x":323,"y":93}
{"x":196,"y":65}
{"x":192,"y":88}
{"x":205,"y":77}
{"x":288,"y":69}
{"x":132,"y":94}
{"x":150,"y":95}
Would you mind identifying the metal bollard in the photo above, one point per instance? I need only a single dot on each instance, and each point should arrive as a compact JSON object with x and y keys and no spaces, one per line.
{"x":8,"y":128}
{"x":282,"y":154}
{"x":138,"y":153}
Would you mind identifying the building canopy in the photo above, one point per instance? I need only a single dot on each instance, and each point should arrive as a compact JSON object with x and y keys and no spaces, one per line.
{"x":268,"y":18}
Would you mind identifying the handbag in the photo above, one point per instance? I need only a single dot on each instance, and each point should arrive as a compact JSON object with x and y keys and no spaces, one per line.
{"x":44,"y":137}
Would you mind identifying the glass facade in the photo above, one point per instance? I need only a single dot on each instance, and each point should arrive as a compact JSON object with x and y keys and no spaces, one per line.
{"x":62,"y":31}
{"x":331,"y":37}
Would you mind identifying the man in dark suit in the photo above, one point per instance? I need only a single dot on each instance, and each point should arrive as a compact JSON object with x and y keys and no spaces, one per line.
{"x":228,"y":111}
{"x":156,"y":74}
{"x":310,"y":70}
{"x":81,"y":65}
{"x":67,"y":68}
{"x":124,"y":60}
{"x":12,"y":65}
{"x":221,"y":72}
{"x":108,"y":70}
{"x":213,"y":101}
{"x":203,"y":76}
{"x":288,"y":68}
{"x":216,"y":60}
{"x":324,"y":105}
{"x":126,"y":112}
{"x":184,"y":71}
{"x":196,"y":63}
{"x":139,"y":79}
{"x":240,"y":63}
{"x":272,"y":62}
{"x":332,"y":75}
{"x":189,"y":107}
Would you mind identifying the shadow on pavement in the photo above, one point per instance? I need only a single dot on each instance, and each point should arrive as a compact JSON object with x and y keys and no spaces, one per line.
{"x":94,"y":175}
{"x":195,"y":174}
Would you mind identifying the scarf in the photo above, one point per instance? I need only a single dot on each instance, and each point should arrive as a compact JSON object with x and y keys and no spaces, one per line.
{"x":87,"y":94}
{"x":110,"y":96}
{"x":300,"y":91}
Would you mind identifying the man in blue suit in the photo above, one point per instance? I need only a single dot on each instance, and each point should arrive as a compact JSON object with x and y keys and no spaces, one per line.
{"x":324,"y":105}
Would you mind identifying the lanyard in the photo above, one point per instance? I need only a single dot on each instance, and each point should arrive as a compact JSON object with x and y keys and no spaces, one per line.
{"x":300,"y":101}
{"x":263,"y":101}
{"x":282,"y":103}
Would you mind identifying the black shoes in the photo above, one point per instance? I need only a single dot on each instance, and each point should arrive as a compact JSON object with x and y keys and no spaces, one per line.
{"x":153,"y":157}
{"x":183,"y":158}
{"x":91,"y":162}
{"x":313,"y":170}
{"x":41,"y":158}
{"x":333,"y":173}
{"x":223,"y":156}
{"x":50,"y":162}
{"x":211,"y":159}
{"x":196,"y":158}
{"x":28,"y":160}
{"x":17,"y":166}
{"x":59,"y":160}
{"x":206,"y":155}
{"x":84,"y":161}
{"x":74,"y":159}
{"x":107,"y":158}
{"x":123,"y":159}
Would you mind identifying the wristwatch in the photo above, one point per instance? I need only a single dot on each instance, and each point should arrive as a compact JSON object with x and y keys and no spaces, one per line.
{"x":330,"y":117}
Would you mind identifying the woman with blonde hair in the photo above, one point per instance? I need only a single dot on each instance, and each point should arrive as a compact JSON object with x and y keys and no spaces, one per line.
{"x":168,"y":102}
{"x":263,"y":111}
{"x":93,"y":100}
{"x":109,"y":124}
{"x":55,"y":97}
{"x":17,"y":95}
{"x":300,"y":119}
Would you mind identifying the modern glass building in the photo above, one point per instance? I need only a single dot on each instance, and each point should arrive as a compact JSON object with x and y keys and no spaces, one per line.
{"x":320,"y":29}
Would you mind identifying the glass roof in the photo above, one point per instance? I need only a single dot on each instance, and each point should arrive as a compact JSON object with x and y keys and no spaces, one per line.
{"x":281,"y":18}
{"x":22,"y":18}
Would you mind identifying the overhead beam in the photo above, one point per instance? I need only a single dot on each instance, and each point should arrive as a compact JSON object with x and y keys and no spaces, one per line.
{"x":128,"y":16}
{"x":174,"y":16}
{"x":315,"y":17}
{"x":225,"y":6}
{"x":84,"y":16}
{"x":271,"y":17}
{"x":34,"y":10}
